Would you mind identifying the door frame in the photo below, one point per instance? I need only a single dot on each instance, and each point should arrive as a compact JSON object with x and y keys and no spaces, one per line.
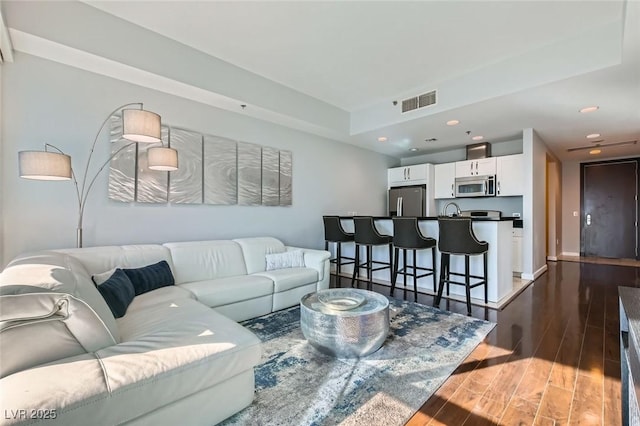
{"x":619,"y":160}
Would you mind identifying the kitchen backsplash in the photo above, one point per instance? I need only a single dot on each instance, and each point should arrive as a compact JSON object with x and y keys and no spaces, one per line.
{"x":507,"y":205}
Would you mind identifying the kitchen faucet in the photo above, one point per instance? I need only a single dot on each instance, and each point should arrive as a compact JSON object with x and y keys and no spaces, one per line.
{"x":444,"y":210}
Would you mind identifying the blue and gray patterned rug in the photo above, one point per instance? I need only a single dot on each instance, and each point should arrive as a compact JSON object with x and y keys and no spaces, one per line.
{"x":297,"y":385}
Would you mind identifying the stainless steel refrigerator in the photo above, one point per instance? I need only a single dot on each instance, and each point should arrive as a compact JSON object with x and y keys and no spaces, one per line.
{"x":407,"y":200}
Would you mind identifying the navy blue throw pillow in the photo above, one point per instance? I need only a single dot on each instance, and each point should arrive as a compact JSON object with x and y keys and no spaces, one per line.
{"x":118,"y":292}
{"x":150,"y":277}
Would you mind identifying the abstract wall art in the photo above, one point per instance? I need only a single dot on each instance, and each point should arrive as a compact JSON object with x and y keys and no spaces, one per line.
{"x":270,"y":176}
{"x":211,"y":170}
{"x":249,"y":174}
{"x":220,"y":171}
{"x":185,"y":184}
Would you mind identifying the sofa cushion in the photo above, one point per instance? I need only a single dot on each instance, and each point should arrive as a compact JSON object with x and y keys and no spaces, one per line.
{"x":230,"y":290}
{"x":163,"y":294}
{"x":61,"y":273}
{"x":206,"y":260}
{"x":288,"y":259}
{"x":100,"y":259}
{"x":286,"y":279}
{"x":118,"y":292}
{"x":150,"y":277}
{"x":255,"y":250}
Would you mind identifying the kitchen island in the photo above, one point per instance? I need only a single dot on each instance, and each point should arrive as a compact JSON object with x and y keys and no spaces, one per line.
{"x":497,"y":232}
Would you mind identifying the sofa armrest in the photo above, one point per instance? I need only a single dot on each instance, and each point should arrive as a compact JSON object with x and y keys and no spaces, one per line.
{"x":316,"y":259}
{"x":44,"y":326}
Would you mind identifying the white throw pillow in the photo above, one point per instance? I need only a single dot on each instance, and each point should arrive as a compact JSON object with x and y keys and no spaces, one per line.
{"x":288,"y":259}
{"x":102,"y":277}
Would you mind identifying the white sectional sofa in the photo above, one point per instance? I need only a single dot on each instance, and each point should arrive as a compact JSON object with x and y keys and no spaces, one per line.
{"x":177,"y":356}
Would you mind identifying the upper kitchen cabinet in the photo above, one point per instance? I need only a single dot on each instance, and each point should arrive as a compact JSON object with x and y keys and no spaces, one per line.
{"x":479,"y":167}
{"x":445,"y":176}
{"x":510,"y":175}
{"x":408,"y":175}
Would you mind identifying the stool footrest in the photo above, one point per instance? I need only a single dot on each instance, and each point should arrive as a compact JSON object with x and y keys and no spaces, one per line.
{"x":464,"y":284}
{"x":342,"y":263}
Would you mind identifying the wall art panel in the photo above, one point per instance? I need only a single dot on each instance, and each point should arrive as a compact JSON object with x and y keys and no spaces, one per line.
{"x":286,"y":178}
{"x":122,"y":168}
{"x":220,"y":171}
{"x":185,"y":184}
{"x":270,"y":176}
{"x":152,"y":186}
{"x":249,"y":174}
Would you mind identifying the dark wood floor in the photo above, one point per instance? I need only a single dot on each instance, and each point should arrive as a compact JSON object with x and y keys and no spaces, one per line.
{"x":553,"y":359}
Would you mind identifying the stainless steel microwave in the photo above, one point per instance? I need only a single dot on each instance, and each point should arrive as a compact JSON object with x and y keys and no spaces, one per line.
{"x":476,"y":186}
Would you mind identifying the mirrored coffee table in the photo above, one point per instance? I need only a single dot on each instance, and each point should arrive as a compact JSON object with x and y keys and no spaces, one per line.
{"x":345,"y":322}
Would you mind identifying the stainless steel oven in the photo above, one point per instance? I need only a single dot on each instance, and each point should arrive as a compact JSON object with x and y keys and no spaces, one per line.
{"x":476,"y":186}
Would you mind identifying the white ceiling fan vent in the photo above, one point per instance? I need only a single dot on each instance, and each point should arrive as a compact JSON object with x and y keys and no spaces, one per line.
{"x":420,"y":101}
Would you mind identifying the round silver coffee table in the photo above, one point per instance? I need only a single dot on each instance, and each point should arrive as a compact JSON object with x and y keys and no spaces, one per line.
{"x":345,"y":323}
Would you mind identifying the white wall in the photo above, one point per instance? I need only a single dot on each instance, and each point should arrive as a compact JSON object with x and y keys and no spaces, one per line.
{"x":571,"y":204}
{"x":534,"y":206}
{"x":48,"y":102}
{"x":554,"y":187}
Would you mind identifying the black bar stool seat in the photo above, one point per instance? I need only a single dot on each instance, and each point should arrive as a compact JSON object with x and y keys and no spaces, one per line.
{"x":367,"y":235}
{"x":457,"y":238}
{"x":407,"y":236}
{"x":335,"y":233}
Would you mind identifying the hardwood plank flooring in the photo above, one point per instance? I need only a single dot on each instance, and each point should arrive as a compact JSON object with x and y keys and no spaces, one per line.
{"x":553,"y":359}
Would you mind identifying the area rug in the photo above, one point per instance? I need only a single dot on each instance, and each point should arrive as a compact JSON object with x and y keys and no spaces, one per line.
{"x":297,"y":385}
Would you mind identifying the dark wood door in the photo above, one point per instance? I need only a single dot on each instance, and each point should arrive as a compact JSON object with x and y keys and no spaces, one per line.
{"x":609,"y":208}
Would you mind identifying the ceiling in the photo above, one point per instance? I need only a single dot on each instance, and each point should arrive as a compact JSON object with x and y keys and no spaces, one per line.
{"x":361,"y":56}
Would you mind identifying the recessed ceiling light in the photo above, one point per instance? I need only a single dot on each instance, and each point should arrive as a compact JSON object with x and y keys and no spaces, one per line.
{"x":595,"y":151}
{"x":452,"y":122}
{"x":477,"y":138}
{"x":593,"y":136}
{"x":382,"y":139}
{"x":413,"y":149}
{"x":589,"y":109}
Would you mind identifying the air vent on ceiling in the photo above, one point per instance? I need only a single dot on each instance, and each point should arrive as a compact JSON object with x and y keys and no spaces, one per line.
{"x":410,"y":104}
{"x":419,"y":101}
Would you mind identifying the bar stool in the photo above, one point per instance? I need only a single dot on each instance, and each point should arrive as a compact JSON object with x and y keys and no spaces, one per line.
{"x":335,"y":233}
{"x":407,"y":236}
{"x":367,"y":235}
{"x":457,"y":238}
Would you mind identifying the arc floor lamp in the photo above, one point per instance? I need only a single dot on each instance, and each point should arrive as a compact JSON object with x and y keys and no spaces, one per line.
{"x":138,"y":126}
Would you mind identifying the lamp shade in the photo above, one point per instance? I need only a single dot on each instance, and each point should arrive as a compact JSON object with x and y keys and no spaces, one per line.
{"x":44,"y":165}
{"x":160,"y":158}
{"x":139,"y":125}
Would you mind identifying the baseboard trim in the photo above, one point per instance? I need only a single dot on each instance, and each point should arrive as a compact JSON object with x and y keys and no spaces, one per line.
{"x":536,"y":274}
{"x":552,"y":258}
{"x":569,"y":253}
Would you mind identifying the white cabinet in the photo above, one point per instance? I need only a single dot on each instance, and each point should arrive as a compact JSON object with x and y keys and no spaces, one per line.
{"x":509,"y":175}
{"x":516,"y":256}
{"x":444,"y":178}
{"x":407,"y":175}
{"x":480,"y":167}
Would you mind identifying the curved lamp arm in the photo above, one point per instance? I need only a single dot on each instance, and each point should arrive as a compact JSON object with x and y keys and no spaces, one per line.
{"x":83,"y":190}
{"x":95,"y":141}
